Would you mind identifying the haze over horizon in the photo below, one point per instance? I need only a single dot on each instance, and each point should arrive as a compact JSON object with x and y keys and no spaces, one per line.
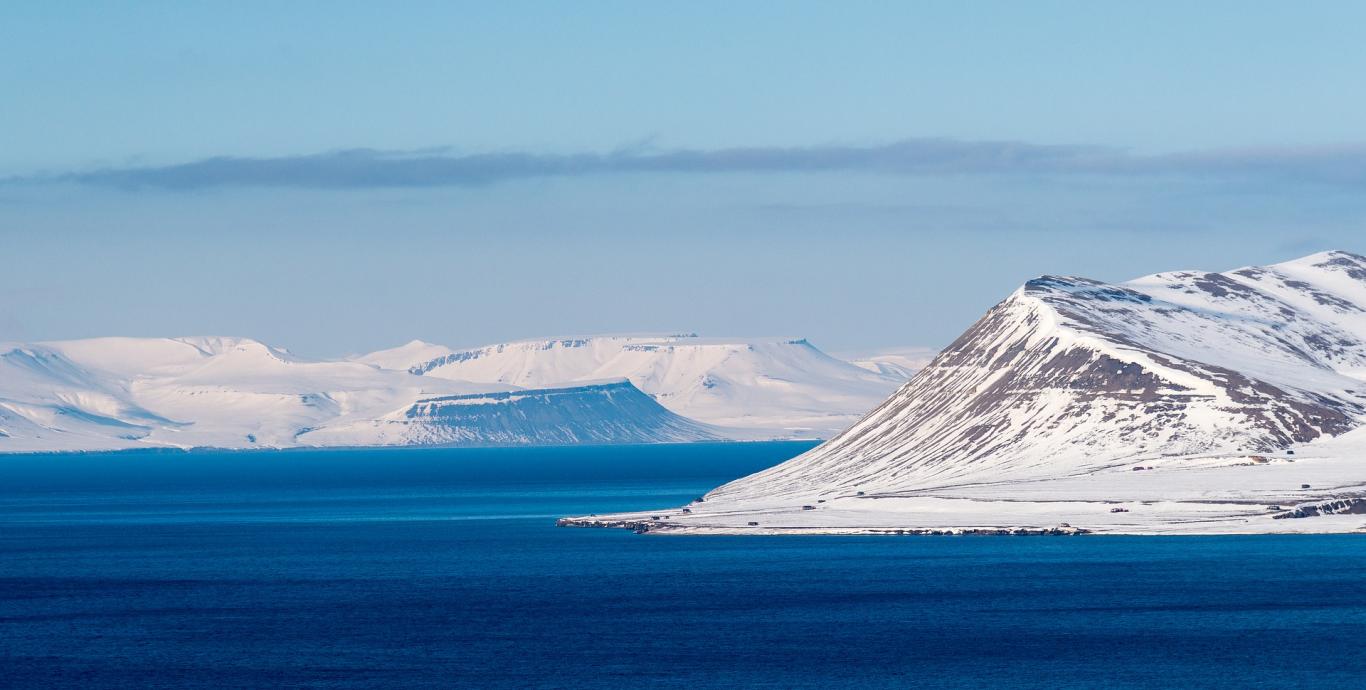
{"x":333,"y":178}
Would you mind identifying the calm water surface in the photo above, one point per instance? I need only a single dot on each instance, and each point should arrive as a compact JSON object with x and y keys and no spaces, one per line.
{"x":442,"y":568}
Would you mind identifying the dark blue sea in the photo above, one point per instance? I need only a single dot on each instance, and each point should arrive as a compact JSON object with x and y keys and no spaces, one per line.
{"x":443,"y":568}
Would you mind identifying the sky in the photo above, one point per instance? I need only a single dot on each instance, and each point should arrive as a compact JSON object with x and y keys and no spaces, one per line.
{"x":340,"y":177}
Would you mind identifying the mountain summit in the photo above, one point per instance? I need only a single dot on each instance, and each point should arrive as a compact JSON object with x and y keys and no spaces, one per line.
{"x":771,"y":387}
{"x":113,"y":393}
{"x":1067,"y":385}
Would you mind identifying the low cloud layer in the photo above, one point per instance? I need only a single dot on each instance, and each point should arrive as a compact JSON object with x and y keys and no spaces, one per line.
{"x":369,"y":169}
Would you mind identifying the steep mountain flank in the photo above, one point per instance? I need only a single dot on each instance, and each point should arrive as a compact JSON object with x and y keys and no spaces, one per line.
{"x":1075,"y":380}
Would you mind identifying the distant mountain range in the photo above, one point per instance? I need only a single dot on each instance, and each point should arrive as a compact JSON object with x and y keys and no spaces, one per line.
{"x":777,"y":387}
{"x":1187,"y":400}
{"x":900,"y":363}
{"x":111,"y":393}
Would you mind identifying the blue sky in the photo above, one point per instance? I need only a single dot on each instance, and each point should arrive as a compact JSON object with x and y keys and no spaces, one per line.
{"x":336,"y":177}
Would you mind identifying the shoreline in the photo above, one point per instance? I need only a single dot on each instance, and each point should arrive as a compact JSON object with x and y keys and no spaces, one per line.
{"x":1333,"y":515}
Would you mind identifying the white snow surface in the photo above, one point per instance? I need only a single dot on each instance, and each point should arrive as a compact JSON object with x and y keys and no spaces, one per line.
{"x":404,"y":356}
{"x":758,"y":388}
{"x":900,"y":362}
{"x":114,"y":393}
{"x":1182,"y":402}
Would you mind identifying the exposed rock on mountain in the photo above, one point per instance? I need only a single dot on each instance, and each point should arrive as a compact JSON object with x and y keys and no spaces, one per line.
{"x":600,"y":413}
{"x":1059,"y":392}
{"x":782,"y":387}
{"x":111,"y":393}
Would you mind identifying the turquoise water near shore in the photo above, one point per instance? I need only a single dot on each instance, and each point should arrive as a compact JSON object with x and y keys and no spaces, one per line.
{"x":442,"y":568}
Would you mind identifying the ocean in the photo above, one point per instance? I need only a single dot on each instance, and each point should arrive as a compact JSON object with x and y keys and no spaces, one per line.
{"x":443,"y":568}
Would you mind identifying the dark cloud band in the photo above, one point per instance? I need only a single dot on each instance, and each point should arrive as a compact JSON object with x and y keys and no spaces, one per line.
{"x":368,"y":168}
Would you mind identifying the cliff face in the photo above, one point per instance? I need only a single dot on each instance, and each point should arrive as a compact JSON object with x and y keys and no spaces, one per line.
{"x":771,"y":388}
{"x":600,"y":413}
{"x":114,"y":393}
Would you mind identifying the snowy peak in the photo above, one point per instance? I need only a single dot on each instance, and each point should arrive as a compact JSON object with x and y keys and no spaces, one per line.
{"x":185,"y":392}
{"x":406,"y":356}
{"x":900,"y":363}
{"x":1336,"y":260}
{"x":1069,"y":374}
{"x":236,"y":393}
{"x":600,"y":413}
{"x":774,"y":387}
{"x":241,"y":393}
{"x":1181,"y":402}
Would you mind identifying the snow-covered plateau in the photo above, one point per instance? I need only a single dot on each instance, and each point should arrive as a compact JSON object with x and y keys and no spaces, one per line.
{"x":1182,"y":402}
{"x":763,"y":388}
{"x":119,"y":393}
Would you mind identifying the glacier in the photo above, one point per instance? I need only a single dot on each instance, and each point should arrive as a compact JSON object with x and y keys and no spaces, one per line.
{"x":1181,"y":402}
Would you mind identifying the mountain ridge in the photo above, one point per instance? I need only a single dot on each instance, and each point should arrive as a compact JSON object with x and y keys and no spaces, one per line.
{"x":232,"y":392}
{"x":119,"y":393}
{"x":783,"y":387}
{"x":1072,"y":378}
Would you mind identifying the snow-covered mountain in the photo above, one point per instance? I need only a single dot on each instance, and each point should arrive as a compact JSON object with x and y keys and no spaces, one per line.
{"x":1174,"y":399}
{"x":108,"y":393}
{"x":606,"y":412}
{"x":406,"y":356}
{"x":779,"y":387}
{"x":900,"y":363}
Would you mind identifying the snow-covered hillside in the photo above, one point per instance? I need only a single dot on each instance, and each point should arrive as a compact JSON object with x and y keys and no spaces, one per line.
{"x":779,"y":387}
{"x":1182,"y":401}
{"x":900,"y":363}
{"x":109,"y":393}
{"x":606,"y":412}
{"x":406,"y":356}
